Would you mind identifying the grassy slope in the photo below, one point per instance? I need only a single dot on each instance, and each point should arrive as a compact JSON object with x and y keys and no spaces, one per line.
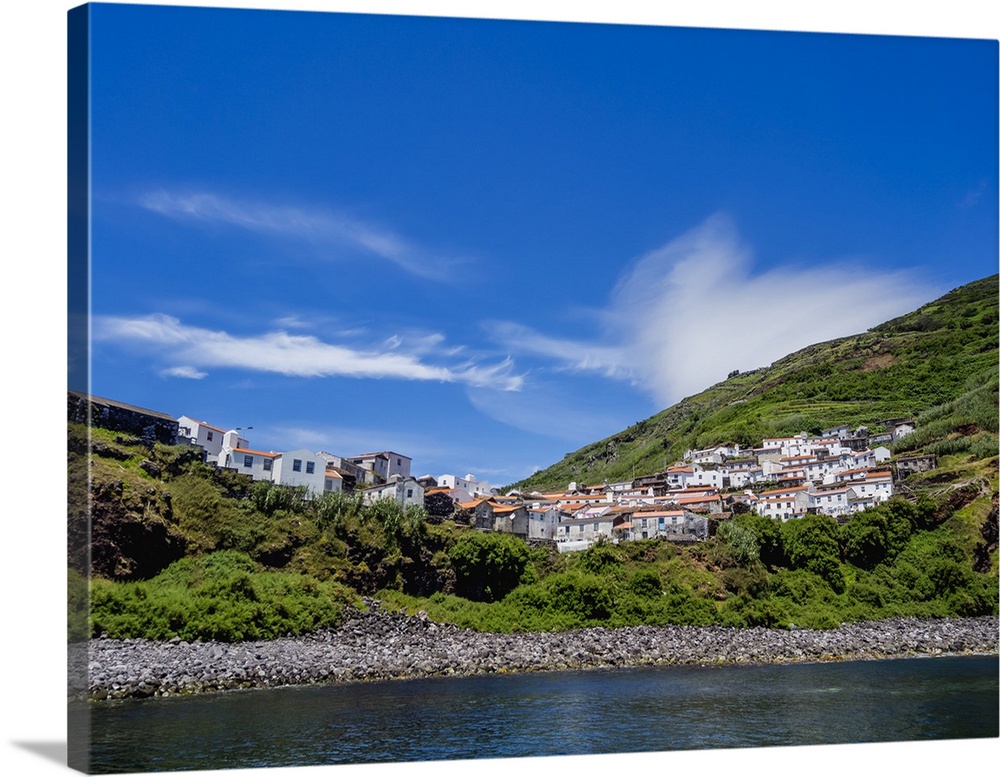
{"x":939,"y":362}
{"x":903,"y":367}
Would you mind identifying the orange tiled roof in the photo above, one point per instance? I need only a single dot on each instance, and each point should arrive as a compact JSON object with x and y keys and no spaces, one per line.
{"x":271,"y":454}
{"x":784,"y":490}
{"x":504,"y":509}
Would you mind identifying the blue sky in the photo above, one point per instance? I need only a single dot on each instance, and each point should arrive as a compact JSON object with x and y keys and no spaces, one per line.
{"x":484,"y":244}
{"x":928,"y":245}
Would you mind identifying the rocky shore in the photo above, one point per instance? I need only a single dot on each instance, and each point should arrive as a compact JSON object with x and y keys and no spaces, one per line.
{"x":372,"y":646}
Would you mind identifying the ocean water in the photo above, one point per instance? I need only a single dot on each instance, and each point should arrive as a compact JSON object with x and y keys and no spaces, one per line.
{"x":552,"y":713}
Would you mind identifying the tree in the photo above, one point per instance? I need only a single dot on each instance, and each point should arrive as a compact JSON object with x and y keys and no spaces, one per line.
{"x":742,"y":542}
{"x":770,"y":545}
{"x":488,"y":566}
{"x":811,"y":544}
{"x":439,"y":506}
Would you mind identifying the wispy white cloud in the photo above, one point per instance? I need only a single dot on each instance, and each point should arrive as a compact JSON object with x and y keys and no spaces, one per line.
{"x":569,"y":354}
{"x":315,"y":225}
{"x":973,"y":196}
{"x":295,"y":354}
{"x":184,"y":371}
{"x":682,"y":317}
{"x":293,"y":322}
{"x":548,"y":410}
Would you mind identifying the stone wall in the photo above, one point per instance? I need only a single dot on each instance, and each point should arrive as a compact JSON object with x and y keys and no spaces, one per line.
{"x":148,"y":425}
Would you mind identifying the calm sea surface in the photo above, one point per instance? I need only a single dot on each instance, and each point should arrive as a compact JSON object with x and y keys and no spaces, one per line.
{"x":559,"y":713}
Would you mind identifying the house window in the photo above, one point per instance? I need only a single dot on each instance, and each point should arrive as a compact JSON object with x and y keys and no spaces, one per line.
{"x":409,"y":493}
{"x":267,"y":465}
{"x":248,"y":461}
{"x":399,"y":463}
{"x":296,"y":465}
{"x":210,"y":437}
{"x":310,"y":467}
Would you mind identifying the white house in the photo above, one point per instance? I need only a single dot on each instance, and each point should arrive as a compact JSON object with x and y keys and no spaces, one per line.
{"x":783,"y":503}
{"x":878,"y":486}
{"x":834,"y":501}
{"x":333,"y":481}
{"x":677,"y":477}
{"x":383,"y":465}
{"x":741,"y":477}
{"x":571,"y":529}
{"x":406,"y":491}
{"x":543,"y":523}
{"x":705,"y":477}
{"x":301,"y":468}
{"x":468,"y":483}
{"x":817,"y":471}
{"x":881,"y":454}
{"x":196,"y":432}
{"x":257,"y":464}
{"x":672,"y":524}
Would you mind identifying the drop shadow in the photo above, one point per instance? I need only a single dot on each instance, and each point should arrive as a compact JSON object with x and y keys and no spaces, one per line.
{"x":51,"y":751}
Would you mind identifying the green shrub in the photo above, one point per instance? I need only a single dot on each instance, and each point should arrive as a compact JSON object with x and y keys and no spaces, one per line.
{"x":600,"y":558}
{"x":582,"y":596}
{"x":747,"y":612}
{"x":77,"y":607}
{"x":488,"y":565}
{"x":222,"y":596}
{"x":811,"y":544}
{"x":646,"y":584}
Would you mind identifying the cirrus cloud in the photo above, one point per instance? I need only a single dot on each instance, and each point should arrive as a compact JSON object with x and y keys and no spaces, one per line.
{"x":321,"y":226}
{"x":295,"y":355}
{"x":682,"y":317}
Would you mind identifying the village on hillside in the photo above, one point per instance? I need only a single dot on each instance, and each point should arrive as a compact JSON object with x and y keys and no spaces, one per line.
{"x":839,"y":472}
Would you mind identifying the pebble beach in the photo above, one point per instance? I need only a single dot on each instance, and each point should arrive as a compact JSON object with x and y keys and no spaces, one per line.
{"x":375,"y":646}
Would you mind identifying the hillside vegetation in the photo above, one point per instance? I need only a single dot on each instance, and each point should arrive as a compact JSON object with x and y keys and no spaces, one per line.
{"x":943,"y":352}
{"x":176,"y":548}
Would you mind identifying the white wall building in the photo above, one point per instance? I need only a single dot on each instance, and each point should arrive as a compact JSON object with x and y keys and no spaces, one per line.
{"x":333,"y":481}
{"x":406,"y":491}
{"x":383,"y":465}
{"x":571,"y":529}
{"x":257,"y":464}
{"x":543,"y":523}
{"x":469,"y":483}
{"x":831,"y":501}
{"x":196,"y":432}
{"x":705,"y":477}
{"x":301,"y":467}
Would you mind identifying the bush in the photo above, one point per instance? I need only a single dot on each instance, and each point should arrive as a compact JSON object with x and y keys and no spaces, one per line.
{"x":221,"y":596}
{"x":767,"y":531}
{"x":582,"y":596}
{"x":77,"y":607}
{"x":747,"y":612}
{"x":488,"y":566}
{"x":811,"y":543}
{"x":742,"y":542}
{"x":646,"y":584}
{"x":600,"y":558}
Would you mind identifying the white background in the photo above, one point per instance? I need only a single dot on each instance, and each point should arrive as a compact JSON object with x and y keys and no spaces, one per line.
{"x":32,"y":668}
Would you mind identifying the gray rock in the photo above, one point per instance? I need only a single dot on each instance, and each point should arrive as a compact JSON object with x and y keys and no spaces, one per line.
{"x":372,"y":646}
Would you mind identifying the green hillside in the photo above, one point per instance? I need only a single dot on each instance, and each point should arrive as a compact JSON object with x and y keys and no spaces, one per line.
{"x":162,"y":545}
{"x":913,"y":365}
